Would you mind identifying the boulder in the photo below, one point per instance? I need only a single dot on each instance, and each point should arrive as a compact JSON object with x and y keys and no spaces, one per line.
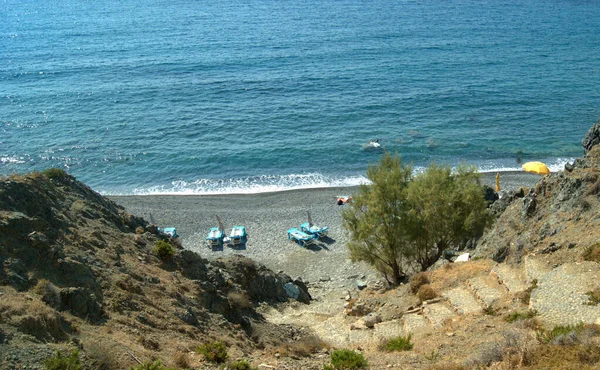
{"x":294,"y":291}
{"x":529,"y":204}
{"x":490,"y":195}
{"x":188,"y":316}
{"x":371,"y":319}
{"x":591,"y":138}
{"x":82,"y":303}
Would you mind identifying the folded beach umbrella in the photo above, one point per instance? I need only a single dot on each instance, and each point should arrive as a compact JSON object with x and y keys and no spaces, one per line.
{"x":536,"y":167}
{"x":221,"y":227}
{"x":310,"y":223}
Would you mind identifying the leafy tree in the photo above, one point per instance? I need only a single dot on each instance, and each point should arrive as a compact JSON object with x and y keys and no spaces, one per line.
{"x":400,"y":222}
{"x":447,"y":210}
{"x":377,"y":219}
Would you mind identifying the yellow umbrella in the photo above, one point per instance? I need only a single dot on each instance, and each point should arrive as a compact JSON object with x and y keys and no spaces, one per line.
{"x":536,"y":167}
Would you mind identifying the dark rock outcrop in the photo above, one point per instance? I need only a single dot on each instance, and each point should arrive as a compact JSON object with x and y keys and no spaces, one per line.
{"x":591,"y":138}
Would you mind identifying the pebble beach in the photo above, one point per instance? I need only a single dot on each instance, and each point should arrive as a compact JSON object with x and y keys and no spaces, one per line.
{"x":267,"y":217}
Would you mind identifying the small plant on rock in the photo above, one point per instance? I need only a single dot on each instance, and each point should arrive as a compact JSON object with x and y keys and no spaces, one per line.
{"x":164,"y":250}
{"x":398,"y":344}
{"x":345,"y":359}
{"x":520,"y":315}
{"x":60,"y":362}
{"x":149,"y":365}
{"x":55,"y":174}
{"x":214,"y":351}
{"x":546,"y":336}
{"x":240,"y":365}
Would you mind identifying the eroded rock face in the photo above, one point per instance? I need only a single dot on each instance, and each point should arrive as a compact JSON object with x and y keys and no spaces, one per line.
{"x":82,"y":303}
{"x":591,"y":138}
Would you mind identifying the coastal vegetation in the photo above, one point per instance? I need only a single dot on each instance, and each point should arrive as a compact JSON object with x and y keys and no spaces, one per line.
{"x":345,"y":359}
{"x":400,"y":222}
{"x":164,"y":250}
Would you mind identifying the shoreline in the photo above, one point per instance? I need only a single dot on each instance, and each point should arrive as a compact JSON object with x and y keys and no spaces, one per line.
{"x":267,"y":217}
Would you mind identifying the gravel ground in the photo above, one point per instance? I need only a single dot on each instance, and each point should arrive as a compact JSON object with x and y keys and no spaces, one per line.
{"x":267,"y":217}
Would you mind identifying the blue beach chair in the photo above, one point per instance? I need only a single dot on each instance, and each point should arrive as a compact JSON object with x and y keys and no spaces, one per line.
{"x":303,"y":239}
{"x":309,"y":228}
{"x":238,"y":236}
{"x":170,"y":231}
{"x":216,"y":235}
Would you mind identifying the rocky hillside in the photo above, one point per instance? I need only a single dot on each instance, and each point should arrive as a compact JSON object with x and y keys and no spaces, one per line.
{"x":529,"y":297}
{"x":77,"y":271}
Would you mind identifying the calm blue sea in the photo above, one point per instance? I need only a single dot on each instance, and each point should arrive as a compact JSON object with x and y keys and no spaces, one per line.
{"x":196,"y":96}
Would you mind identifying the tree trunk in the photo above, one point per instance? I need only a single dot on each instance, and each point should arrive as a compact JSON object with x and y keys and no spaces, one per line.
{"x":397,"y":275}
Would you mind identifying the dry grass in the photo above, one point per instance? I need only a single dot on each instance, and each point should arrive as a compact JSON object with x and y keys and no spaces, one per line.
{"x":448,"y":278}
{"x":417,"y":281}
{"x":101,"y":355}
{"x":33,"y":317}
{"x":49,"y":292}
{"x":303,"y":347}
{"x":181,"y":359}
{"x":426,"y":292}
{"x":592,"y":253}
{"x":239,"y":299}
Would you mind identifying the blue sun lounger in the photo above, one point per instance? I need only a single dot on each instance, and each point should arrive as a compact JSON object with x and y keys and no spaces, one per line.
{"x":303,"y":239}
{"x":238,"y":236}
{"x":317,"y":231}
{"x":215,"y":237}
{"x":170,"y":231}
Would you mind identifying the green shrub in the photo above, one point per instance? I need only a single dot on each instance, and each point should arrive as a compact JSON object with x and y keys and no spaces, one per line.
{"x":164,"y":250}
{"x":399,"y":343}
{"x":214,"y":351}
{"x":55,"y":174}
{"x":240,"y":365}
{"x":546,"y":336}
{"x":345,"y":359}
{"x":149,"y":365}
{"x":59,"y":362}
{"x":521,"y":315}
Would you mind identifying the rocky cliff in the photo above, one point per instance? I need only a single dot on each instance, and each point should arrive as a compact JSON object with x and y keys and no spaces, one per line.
{"x":76,"y":270}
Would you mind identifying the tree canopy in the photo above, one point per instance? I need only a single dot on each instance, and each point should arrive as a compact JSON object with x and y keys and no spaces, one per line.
{"x":400,"y":222}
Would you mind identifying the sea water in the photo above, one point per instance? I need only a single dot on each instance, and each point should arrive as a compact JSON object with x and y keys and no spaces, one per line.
{"x":235,"y":96}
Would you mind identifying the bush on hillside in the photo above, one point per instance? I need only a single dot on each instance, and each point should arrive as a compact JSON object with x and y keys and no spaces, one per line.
{"x":345,"y":359}
{"x":214,"y":351}
{"x":592,"y":253}
{"x":55,"y":174}
{"x":240,"y":365}
{"x":398,"y":344}
{"x":426,"y":292}
{"x":149,"y":365}
{"x":60,"y":362}
{"x":417,"y":281}
{"x":164,"y":250}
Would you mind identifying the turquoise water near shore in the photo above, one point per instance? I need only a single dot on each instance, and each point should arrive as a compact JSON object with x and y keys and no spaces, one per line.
{"x":139,"y":97}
